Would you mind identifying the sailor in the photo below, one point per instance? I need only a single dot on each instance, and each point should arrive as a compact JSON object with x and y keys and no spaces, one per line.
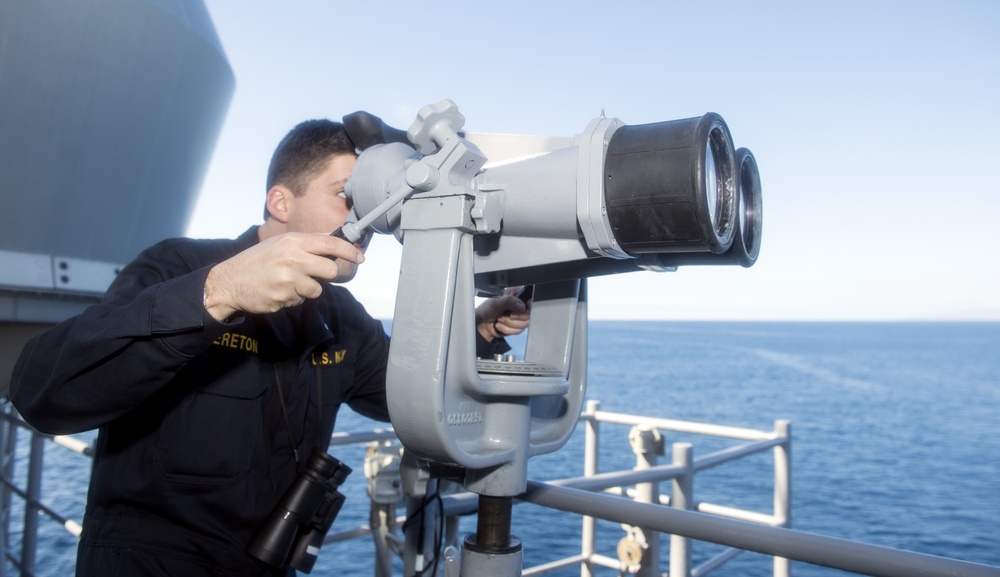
{"x":212,"y":369}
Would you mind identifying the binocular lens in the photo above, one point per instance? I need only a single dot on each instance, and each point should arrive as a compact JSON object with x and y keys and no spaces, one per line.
{"x":670,"y":186}
{"x":751,"y":208}
{"x":711,"y":184}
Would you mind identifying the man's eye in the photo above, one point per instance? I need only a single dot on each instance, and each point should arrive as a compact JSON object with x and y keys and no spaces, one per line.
{"x":342,"y":194}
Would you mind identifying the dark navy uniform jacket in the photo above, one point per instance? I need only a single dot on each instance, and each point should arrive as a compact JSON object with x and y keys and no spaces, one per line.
{"x":194,"y":449}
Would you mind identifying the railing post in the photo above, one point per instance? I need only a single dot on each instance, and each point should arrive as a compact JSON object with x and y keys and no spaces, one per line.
{"x":588,"y":541}
{"x":647,"y":444}
{"x":783,"y":488}
{"x":8,"y":443}
{"x":682,"y":498}
{"x":31,"y":509}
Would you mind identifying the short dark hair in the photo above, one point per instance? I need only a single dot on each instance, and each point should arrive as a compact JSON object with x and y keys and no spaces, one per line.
{"x":305,"y":152}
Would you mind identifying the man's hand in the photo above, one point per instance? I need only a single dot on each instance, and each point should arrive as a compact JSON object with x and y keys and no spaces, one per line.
{"x":503,"y":316}
{"x":281,"y":271}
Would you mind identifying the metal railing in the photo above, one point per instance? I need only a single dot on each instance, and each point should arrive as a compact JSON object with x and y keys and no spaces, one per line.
{"x":646,"y":443}
{"x":630,"y":497}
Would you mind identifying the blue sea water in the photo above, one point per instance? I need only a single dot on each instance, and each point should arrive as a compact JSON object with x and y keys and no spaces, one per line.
{"x":896,"y":437}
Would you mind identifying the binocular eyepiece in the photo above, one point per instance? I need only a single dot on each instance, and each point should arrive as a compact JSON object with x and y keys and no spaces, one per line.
{"x":294,"y":530}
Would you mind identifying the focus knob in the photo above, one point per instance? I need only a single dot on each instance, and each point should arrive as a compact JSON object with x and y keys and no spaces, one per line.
{"x":435,"y":125}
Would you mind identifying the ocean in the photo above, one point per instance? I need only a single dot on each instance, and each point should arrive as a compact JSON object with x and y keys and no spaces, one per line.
{"x":896,"y":438}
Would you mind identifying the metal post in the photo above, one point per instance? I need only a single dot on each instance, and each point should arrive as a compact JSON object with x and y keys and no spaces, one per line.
{"x":682,"y":498}
{"x":380,"y":519}
{"x":492,"y":550}
{"x":493,"y":522}
{"x":783,"y":488}
{"x":8,"y":440}
{"x":647,"y":444}
{"x":31,"y":508}
{"x":588,"y":542}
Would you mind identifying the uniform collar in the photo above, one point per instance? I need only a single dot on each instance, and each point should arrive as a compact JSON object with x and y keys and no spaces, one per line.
{"x":247,"y":239}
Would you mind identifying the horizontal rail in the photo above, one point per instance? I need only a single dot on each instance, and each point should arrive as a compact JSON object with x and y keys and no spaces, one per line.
{"x":608,"y":480}
{"x":705,"y":507}
{"x":716,"y":562}
{"x":738,"y":530}
{"x":74,"y":444}
{"x":605,"y":561}
{"x":734,"y":453}
{"x":740,"y":514}
{"x":553,"y":566}
{"x":70,"y":525}
{"x":363,"y":530}
{"x":727,"y":432}
{"x":602,"y":481}
{"x":340,"y":439}
{"x":797,"y":545}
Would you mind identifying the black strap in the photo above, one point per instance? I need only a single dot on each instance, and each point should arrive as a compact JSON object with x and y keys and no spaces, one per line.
{"x":284,"y":413}
{"x":284,"y":409}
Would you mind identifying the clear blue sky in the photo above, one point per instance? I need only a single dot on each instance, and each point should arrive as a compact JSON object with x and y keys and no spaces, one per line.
{"x":875,"y":126}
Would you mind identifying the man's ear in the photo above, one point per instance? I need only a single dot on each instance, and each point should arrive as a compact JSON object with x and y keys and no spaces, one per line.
{"x":278,"y":202}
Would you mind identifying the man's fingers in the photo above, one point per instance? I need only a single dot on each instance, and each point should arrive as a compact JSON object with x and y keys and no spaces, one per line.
{"x":307,"y":287}
{"x":277,"y":273}
{"x":320,"y":267}
{"x":331,"y":247}
{"x":319,"y":256}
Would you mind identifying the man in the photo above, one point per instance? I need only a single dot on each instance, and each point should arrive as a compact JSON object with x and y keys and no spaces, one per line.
{"x":213,"y":368}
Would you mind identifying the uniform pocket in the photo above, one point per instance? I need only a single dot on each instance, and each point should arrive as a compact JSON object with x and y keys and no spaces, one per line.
{"x":209,"y":437}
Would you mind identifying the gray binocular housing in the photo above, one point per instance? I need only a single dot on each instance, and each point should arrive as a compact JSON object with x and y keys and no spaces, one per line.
{"x":480,"y":212}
